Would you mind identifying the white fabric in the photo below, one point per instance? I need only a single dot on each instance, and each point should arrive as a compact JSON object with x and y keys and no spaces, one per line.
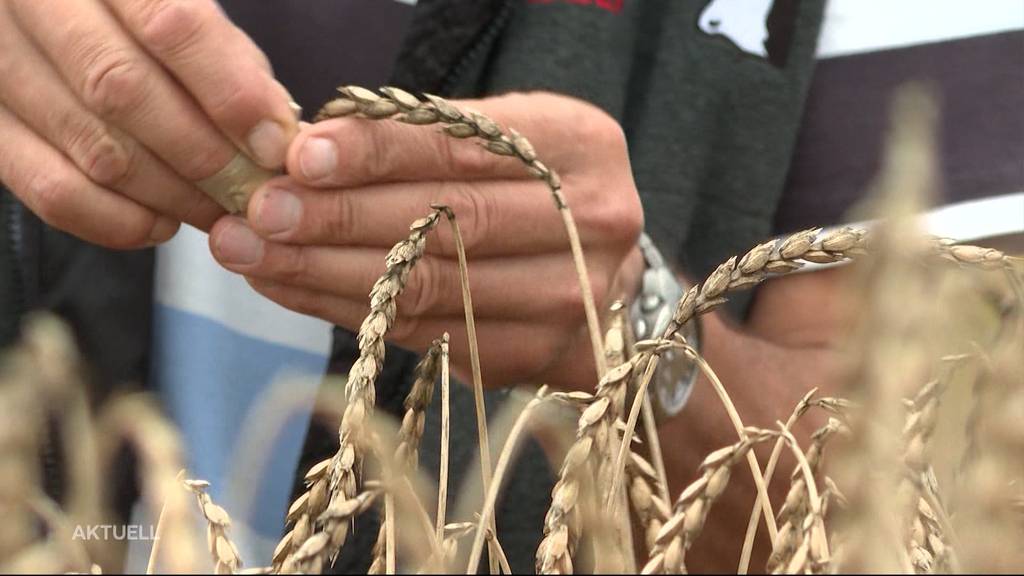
{"x":856,"y":26}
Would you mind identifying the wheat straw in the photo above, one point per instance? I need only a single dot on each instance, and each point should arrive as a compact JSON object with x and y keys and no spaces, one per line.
{"x":500,"y":469}
{"x":446,"y":407}
{"x":769,"y":473}
{"x":478,"y":385}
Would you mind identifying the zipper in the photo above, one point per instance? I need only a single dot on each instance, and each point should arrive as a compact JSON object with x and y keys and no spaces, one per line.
{"x":12,"y":211}
{"x":492,"y":31}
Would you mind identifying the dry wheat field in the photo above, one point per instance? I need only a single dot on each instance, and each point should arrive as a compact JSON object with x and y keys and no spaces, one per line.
{"x":918,"y":467}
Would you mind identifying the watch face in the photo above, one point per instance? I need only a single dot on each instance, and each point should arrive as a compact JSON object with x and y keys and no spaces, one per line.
{"x":673,"y":382}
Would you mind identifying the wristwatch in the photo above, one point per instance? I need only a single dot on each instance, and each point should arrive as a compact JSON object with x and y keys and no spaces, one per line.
{"x":651,"y":312}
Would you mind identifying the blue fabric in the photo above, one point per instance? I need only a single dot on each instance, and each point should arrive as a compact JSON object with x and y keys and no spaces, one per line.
{"x":210,"y":377}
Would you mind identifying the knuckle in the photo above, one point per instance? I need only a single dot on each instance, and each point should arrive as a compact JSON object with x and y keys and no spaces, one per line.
{"x":571,"y":300}
{"x":475,"y":212}
{"x":597,"y":127}
{"x":100,"y":156}
{"x":288,"y":265}
{"x":404,"y":328}
{"x":616,"y":218}
{"x":49,"y":193}
{"x":339,"y":225}
{"x":171,"y":27}
{"x":422,"y":290}
{"x":231,"y":97}
{"x":303,"y":302}
{"x":115,"y":83}
{"x":465,"y":158}
{"x":378,"y":155}
{"x":630,"y":223}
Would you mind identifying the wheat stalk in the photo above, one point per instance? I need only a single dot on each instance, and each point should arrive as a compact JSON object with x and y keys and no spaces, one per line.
{"x":500,"y":469}
{"x":478,"y":385}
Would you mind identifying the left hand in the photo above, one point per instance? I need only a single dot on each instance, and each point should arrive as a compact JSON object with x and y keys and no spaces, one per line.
{"x":315,"y":241}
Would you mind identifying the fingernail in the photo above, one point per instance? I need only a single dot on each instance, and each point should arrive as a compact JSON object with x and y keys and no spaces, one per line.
{"x":318,"y":158}
{"x":239,"y":245}
{"x":267,"y":144}
{"x":279,"y":211}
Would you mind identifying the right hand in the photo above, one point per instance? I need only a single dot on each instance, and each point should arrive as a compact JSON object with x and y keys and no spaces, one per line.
{"x":110,"y":110}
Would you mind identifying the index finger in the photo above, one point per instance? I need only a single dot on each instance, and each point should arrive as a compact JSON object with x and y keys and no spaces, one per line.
{"x":209,"y":56}
{"x":354,"y":151}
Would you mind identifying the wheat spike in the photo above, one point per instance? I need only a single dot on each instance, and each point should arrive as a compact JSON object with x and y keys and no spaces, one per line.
{"x":691,"y":508}
{"x":336,"y":484}
{"x":226,"y":559}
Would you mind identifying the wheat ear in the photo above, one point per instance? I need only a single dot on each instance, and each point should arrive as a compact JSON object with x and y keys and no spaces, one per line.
{"x":311,"y":555}
{"x":137,"y":420}
{"x":409,"y":436}
{"x":226,"y":559}
{"x":797,"y":509}
{"x":651,"y":509}
{"x":690,"y":510}
{"x":335,"y":484}
{"x":594,"y":431}
{"x":404,"y":107}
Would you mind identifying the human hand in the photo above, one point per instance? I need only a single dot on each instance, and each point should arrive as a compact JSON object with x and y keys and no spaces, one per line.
{"x":315,"y":241}
{"x":112,"y":109}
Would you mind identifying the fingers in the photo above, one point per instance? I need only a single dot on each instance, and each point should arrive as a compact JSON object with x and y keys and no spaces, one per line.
{"x":509,"y":287}
{"x":212,"y":60}
{"x":354,"y":151}
{"x":510,"y":351}
{"x":123,"y":85}
{"x":52,"y":187}
{"x":104,"y":155}
{"x":495,"y":217}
